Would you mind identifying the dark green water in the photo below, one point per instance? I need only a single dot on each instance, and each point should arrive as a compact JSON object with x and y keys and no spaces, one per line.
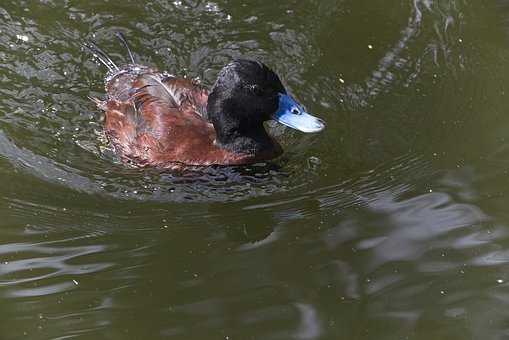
{"x":391,"y":224}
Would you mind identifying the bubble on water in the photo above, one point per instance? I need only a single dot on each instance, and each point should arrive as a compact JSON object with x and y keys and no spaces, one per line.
{"x":22,"y":37}
{"x":212,"y":7}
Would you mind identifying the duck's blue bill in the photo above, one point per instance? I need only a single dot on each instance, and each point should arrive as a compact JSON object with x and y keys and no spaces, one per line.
{"x":292,"y":114}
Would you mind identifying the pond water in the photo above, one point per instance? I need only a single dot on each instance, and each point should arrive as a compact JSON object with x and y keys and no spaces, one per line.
{"x":390,"y":224}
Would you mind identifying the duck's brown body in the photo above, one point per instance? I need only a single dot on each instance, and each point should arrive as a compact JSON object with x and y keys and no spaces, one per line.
{"x":153,"y":119}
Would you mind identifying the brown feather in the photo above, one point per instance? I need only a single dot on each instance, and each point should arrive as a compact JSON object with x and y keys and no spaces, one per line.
{"x":157,"y":120}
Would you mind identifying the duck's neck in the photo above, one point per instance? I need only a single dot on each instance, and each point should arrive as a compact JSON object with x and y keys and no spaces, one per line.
{"x":249,"y":141}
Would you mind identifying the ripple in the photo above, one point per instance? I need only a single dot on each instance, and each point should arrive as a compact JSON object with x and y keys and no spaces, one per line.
{"x":26,"y":263}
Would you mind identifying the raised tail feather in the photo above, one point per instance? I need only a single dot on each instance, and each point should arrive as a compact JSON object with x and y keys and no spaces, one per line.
{"x":123,"y":40}
{"x":103,"y":57}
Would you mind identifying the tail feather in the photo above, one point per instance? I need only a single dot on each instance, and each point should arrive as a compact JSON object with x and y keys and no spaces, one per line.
{"x":100,"y":104}
{"x":101,"y":55}
{"x":123,"y":40}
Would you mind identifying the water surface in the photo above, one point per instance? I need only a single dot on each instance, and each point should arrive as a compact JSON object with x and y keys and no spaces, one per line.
{"x":391,"y":224}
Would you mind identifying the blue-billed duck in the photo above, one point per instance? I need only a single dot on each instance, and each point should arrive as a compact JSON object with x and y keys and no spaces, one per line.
{"x":155,"y":119}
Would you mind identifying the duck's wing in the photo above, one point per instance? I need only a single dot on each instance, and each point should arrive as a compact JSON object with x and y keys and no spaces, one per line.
{"x":150,"y":117}
{"x":154,"y":88}
{"x":194,"y":96}
{"x":141,"y":84}
{"x":177,"y":93}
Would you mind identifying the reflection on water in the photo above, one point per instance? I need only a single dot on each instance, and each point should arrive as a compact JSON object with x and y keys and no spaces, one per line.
{"x":390,"y":224}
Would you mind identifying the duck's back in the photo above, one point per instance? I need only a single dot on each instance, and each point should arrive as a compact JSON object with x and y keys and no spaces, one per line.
{"x":155,"y":119}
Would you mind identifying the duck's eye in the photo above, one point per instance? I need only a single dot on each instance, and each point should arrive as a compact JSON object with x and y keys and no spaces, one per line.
{"x":256,"y":90}
{"x":296,"y":111}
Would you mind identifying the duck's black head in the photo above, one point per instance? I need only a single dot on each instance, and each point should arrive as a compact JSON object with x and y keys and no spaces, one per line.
{"x":246,"y":94}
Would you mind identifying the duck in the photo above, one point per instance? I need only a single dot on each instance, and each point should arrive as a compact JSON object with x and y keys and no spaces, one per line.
{"x":156,"y":119}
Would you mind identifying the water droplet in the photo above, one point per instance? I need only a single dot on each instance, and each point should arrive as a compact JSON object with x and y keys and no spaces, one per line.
{"x":22,"y":37}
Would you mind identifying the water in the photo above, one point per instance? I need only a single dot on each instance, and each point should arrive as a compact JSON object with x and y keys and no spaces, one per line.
{"x":391,"y":224}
